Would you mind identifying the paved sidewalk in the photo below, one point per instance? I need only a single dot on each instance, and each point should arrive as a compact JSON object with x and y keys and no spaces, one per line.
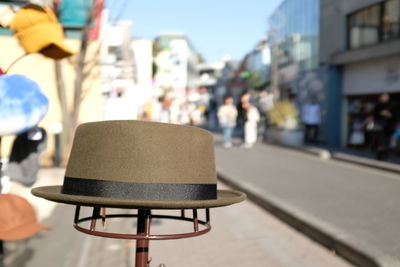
{"x":363,"y":158}
{"x":350,"y":208}
{"x":242,"y":235}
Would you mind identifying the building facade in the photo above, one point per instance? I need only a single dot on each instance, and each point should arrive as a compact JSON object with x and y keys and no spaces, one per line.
{"x":360,"y":40}
{"x":252,"y":73}
{"x":225,"y":82}
{"x":294,"y":33}
{"x":175,"y":64}
{"x":294,"y":37}
{"x":126,"y":71}
{"x":258,"y":65}
{"x":118,"y":71}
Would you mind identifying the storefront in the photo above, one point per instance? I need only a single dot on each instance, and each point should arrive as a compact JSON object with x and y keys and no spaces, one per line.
{"x":363,"y":82}
{"x":360,"y":110}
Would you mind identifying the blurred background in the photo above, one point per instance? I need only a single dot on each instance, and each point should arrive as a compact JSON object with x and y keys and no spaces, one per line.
{"x":310,"y":90}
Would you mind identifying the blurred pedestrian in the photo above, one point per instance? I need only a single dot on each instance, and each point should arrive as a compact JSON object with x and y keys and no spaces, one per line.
{"x":311,"y":118}
{"x":212,"y":115}
{"x":266,"y":101}
{"x":184,"y":116}
{"x":250,"y":126}
{"x":227,"y":115}
{"x":156,"y":109}
{"x":265,"y":104}
{"x":241,"y":118}
{"x":165,"y":111}
{"x":25,"y":153}
{"x":395,"y":139}
{"x":381,"y":126}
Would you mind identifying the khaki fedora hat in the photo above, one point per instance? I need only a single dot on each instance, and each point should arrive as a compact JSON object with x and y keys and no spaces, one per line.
{"x":143,"y":165}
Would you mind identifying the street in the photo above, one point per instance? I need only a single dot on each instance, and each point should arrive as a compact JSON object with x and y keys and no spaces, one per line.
{"x":242,"y":235}
{"x":107,"y":104}
{"x":356,"y":206}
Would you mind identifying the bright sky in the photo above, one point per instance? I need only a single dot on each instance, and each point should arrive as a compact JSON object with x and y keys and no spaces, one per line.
{"x":215,"y":27}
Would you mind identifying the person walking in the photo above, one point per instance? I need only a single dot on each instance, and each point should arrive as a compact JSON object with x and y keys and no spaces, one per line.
{"x":382,"y":126}
{"x":241,"y":118}
{"x":227,"y":115}
{"x":311,"y":118}
{"x":265,"y":104}
{"x":250,"y":126}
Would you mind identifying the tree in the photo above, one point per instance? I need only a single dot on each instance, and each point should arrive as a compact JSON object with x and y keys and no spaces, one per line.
{"x":83,"y":67}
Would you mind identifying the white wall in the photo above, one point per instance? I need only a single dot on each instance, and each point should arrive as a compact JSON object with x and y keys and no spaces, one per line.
{"x":372,"y":77}
{"x":143,"y":56}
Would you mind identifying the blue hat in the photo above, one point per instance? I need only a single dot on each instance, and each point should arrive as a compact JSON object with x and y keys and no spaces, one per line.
{"x":22,"y":104}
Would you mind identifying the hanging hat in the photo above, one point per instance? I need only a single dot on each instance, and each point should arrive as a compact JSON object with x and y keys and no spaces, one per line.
{"x":22,"y":104}
{"x":38,"y":30}
{"x":137,"y":164}
{"x":17,"y":218}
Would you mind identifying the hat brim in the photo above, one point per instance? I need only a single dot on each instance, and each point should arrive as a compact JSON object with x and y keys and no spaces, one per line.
{"x":53,"y":193}
{"x":57,"y":50}
{"x":22,"y":232}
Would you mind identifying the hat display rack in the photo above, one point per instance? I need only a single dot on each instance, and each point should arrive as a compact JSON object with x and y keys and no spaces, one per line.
{"x":143,"y":234}
{"x":142,"y":166}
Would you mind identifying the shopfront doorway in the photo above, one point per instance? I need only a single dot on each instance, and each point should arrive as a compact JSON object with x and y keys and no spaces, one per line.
{"x":360,"y":110}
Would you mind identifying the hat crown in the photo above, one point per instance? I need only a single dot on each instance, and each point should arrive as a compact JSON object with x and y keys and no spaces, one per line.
{"x":30,"y":15}
{"x":144,"y":152}
{"x":38,"y":30}
{"x":142,"y":165}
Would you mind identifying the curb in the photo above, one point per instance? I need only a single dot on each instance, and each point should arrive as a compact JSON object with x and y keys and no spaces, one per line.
{"x":350,"y":252}
{"x":340,"y":156}
{"x":320,"y":152}
{"x":382,"y":165}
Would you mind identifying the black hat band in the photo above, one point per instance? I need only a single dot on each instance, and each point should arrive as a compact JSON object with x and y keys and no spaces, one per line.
{"x":143,"y":191}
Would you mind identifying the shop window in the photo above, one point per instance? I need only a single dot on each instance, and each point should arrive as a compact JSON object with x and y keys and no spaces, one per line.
{"x":364,"y":27}
{"x":391,"y":20}
{"x":374,"y":24}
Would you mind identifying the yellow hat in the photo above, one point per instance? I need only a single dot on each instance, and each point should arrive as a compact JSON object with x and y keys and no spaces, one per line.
{"x":38,"y":30}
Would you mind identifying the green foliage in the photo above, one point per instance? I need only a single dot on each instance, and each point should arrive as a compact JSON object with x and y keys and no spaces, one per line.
{"x":284,"y":115}
{"x":245,"y":75}
{"x":257,"y":81}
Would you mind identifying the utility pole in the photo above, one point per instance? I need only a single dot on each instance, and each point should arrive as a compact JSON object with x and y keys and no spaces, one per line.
{"x":274,"y":67}
{"x":276,"y":22}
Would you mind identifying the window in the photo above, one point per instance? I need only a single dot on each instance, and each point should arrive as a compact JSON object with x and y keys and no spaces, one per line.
{"x":374,"y":24}
{"x":391,"y":20}
{"x":364,"y":27}
{"x":115,"y":51}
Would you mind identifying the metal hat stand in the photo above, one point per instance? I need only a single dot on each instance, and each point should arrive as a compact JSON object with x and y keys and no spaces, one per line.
{"x":143,"y":235}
